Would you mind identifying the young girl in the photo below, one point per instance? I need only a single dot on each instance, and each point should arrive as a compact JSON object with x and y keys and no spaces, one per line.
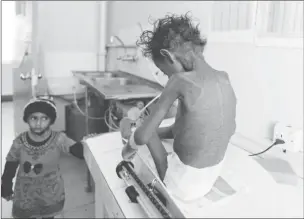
{"x":205,"y":120}
{"x":39,"y":188}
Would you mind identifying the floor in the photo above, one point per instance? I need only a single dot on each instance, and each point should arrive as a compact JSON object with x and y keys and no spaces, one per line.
{"x":79,"y":203}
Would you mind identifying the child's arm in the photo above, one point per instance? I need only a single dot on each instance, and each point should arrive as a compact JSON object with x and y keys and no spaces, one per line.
{"x":8,"y":175}
{"x":165,"y":132}
{"x":69,"y":146}
{"x":10,"y":169}
{"x":170,"y":93}
{"x":77,"y":150}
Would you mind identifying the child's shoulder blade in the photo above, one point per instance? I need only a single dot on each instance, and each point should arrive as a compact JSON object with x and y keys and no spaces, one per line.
{"x":223,"y":77}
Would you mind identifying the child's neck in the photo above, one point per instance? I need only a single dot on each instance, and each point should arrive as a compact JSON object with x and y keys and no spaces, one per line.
{"x":41,"y":137}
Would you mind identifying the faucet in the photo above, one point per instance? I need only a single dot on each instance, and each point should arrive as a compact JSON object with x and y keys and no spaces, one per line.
{"x":29,"y":75}
{"x":34,"y":80}
{"x":112,"y":40}
{"x":128,"y":57}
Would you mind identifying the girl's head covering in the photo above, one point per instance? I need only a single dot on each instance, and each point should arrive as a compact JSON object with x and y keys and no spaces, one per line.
{"x":41,"y":105}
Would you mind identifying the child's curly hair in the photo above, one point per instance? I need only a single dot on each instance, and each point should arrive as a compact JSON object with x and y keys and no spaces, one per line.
{"x":169,"y":33}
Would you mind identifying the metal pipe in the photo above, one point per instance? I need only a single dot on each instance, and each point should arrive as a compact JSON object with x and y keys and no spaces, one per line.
{"x":98,"y":35}
{"x":121,"y":46}
{"x":87,"y":104}
{"x":35,"y":42}
{"x":101,"y":34}
{"x":117,"y":37}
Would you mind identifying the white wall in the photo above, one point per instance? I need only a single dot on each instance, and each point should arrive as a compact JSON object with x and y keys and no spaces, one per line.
{"x":281,"y":71}
{"x":67,"y":41}
{"x":67,"y":26}
{"x":67,"y":38}
{"x":7,"y":79}
{"x":125,"y":14}
{"x":268,"y":82}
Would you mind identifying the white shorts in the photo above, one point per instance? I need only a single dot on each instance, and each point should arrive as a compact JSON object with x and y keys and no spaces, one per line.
{"x":186,"y":183}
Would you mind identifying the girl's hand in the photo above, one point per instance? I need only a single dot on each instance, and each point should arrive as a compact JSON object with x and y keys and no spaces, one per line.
{"x":128,"y":153}
{"x":9,"y":198}
{"x":6,"y":190}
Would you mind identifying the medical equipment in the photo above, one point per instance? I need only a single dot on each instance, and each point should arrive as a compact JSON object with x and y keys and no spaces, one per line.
{"x":155,"y":207}
{"x":134,"y":111}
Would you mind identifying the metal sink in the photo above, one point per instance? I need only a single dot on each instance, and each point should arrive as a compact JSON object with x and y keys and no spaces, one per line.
{"x":94,"y":74}
{"x":111,"y":81}
{"x":101,"y":74}
{"x":107,"y":79}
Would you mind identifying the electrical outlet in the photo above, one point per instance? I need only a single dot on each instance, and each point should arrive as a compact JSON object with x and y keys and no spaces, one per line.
{"x":292,"y":137}
{"x":281,"y":132}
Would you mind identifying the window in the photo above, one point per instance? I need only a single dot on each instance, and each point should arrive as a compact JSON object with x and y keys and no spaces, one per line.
{"x":281,"y":18}
{"x":265,"y":23}
{"x":231,"y":16}
{"x":232,"y":21}
{"x":20,"y":7}
{"x":280,"y":24}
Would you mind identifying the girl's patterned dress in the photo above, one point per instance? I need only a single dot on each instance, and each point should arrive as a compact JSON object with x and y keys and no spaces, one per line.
{"x":39,"y":187}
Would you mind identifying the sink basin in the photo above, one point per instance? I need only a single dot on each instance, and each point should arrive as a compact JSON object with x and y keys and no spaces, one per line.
{"x":106,"y":75}
{"x":108,"y":81}
{"x":95,"y":74}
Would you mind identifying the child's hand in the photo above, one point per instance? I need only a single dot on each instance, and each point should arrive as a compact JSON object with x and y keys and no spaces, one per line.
{"x":9,"y":198}
{"x":128,"y":153}
{"x":6,"y":190}
{"x":126,"y":128}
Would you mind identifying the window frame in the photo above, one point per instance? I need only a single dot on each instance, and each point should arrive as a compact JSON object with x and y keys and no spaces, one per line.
{"x":254,"y":34}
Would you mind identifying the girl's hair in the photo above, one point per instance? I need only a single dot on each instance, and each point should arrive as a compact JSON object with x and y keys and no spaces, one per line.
{"x":170,"y":33}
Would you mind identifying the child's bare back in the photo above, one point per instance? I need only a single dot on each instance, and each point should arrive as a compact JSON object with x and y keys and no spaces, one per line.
{"x":205,"y":120}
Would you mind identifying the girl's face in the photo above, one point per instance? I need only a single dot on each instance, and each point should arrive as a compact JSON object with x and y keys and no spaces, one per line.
{"x":39,"y":123}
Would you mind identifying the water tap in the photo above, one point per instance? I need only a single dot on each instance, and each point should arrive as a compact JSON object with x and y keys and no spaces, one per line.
{"x":128,"y":58}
